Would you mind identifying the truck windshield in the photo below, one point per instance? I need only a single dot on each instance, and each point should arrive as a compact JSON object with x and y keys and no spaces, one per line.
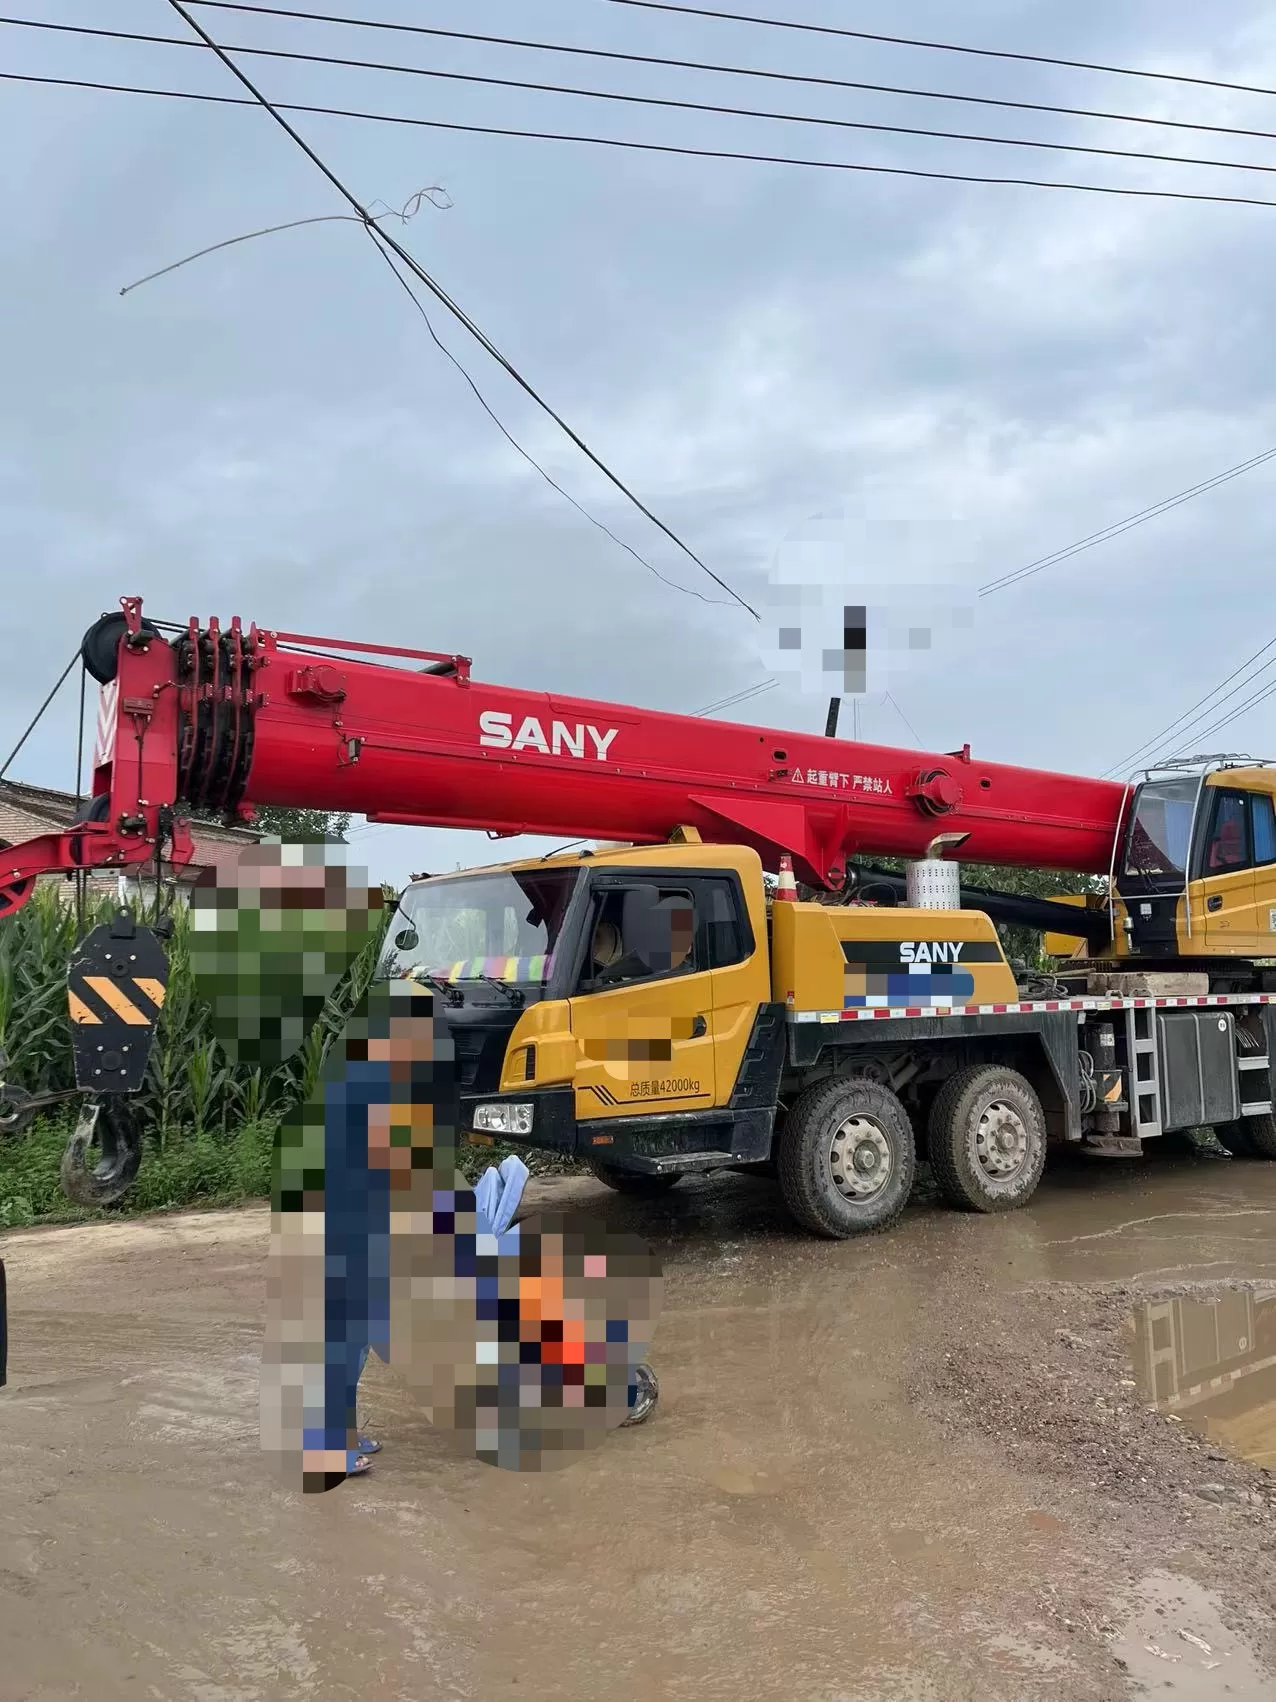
{"x":500,"y":927}
{"x":1162,"y":827}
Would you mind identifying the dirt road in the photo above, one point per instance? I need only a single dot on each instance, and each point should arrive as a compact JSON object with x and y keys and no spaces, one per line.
{"x":920,"y":1468}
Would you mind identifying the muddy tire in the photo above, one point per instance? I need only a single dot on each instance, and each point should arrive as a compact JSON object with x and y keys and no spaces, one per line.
{"x":846,"y":1158}
{"x":1249,"y":1137}
{"x":987,"y":1139}
{"x":632,"y":1181}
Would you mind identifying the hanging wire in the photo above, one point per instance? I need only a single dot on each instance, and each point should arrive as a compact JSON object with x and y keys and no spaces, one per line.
{"x":81,"y":875}
{"x":31,"y":725}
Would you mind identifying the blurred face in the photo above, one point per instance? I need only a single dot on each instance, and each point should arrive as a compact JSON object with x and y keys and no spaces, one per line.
{"x":271,"y":937}
{"x":681,"y":935}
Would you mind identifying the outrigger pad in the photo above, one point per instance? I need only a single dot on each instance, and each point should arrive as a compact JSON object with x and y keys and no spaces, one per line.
{"x":115,"y":989}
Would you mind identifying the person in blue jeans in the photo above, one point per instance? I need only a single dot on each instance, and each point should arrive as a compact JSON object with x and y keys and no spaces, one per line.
{"x":365,"y":1164}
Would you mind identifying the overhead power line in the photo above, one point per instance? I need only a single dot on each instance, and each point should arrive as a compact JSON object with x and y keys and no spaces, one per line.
{"x":1185,"y":725}
{"x":942,"y":46}
{"x":713,"y":67}
{"x":663,"y":102}
{"x":1213,"y":702}
{"x":390,"y":260}
{"x":386,"y":242}
{"x":1118,"y":527}
{"x":1242,"y":709}
{"x":669,"y":148}
{"x":738,"y":697}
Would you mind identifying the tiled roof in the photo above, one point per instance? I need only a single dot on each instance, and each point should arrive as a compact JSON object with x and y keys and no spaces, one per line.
{"x":28,"y":811}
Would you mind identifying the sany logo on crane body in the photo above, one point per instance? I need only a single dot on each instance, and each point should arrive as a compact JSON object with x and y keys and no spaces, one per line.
{"x":496,"y":730}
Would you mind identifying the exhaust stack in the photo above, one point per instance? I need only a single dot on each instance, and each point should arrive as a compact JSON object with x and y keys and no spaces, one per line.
{"x":932,"y":883}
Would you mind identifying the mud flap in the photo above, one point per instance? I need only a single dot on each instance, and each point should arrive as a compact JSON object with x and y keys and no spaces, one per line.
{"x":115,"y":989}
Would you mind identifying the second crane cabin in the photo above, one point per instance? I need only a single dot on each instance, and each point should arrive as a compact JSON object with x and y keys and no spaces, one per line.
{"x":647,"y":1007}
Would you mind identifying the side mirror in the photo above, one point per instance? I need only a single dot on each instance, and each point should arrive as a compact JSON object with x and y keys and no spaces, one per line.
{"x":407,"y":939}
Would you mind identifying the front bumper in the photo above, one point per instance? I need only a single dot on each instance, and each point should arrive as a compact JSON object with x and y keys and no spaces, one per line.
{"x":672,"y":1142}
{"x":553,"y":1117}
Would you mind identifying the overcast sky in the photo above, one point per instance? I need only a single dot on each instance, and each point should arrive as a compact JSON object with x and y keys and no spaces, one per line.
{"x":965,"y":377}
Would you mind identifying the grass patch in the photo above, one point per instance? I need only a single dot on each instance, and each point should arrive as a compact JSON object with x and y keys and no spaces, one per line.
{"x":187,"y":1169}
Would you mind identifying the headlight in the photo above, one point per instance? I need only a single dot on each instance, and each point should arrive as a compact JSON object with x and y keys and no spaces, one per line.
{"x":504,"y":1119}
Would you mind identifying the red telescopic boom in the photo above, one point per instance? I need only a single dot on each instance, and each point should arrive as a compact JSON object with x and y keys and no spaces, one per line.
{"x":222,"y":720}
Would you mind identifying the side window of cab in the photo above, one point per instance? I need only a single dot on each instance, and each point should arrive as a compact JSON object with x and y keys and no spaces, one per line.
{"x":1263,"y":823}
{"x":1227,"y":849}
{"x":642,"y":931}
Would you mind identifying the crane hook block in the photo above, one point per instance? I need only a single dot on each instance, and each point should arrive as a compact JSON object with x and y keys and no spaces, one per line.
{"x":115,"y":989}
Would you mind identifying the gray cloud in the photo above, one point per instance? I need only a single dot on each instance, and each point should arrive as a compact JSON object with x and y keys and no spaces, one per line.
{"x":980,"y":374}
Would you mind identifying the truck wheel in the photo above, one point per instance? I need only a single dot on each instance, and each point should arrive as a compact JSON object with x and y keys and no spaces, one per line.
{"x":644,"y":1187}
{"x":987,"y":1139}
{"x":846,"y":1158}
{"x":1250,"y":1137}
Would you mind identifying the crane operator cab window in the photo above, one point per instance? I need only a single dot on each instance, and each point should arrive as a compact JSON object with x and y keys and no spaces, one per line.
{"x":1228,"y":847}
{"x":647,"y":930}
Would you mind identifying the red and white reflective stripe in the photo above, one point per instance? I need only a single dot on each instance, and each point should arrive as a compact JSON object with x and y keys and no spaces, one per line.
{"x":879,"y":1012}
{"x":104,"y":750}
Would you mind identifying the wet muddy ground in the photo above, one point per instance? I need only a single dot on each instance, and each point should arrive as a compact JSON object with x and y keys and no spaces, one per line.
{"x":921,"y":1468}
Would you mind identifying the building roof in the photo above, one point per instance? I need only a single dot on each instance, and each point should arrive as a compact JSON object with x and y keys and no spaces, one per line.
{"x":26,"y":811}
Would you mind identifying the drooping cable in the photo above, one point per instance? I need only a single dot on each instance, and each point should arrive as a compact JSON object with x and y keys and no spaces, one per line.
{"x":35,"y":719}
{"x":453,"y":307}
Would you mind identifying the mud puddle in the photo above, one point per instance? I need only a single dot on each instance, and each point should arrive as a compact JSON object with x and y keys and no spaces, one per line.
{"x":1210,"y":1363}
{"x":1176,"y":1644}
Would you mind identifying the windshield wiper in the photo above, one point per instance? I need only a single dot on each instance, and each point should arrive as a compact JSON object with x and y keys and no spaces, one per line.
{"x":450,"y":995}
{"x":513,"y":994}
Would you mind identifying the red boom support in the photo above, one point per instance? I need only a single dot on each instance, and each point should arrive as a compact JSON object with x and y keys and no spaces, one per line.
{"x":226,"y":720}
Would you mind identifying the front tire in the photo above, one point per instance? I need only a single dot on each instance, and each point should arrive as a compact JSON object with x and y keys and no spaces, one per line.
{"x":846,"y":1158}
{"x":1249,"y":1137}
{"x":633,"y":1182}
{"x":987,"y":1139}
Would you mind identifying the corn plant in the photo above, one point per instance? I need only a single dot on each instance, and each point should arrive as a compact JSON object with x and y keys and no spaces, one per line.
{"x":191,"y":1086}
{"x":35,"y":1029}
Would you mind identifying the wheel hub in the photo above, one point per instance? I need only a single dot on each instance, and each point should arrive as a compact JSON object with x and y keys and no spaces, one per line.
{"x":1001,"y":1141}
{"x":860,"y":1158}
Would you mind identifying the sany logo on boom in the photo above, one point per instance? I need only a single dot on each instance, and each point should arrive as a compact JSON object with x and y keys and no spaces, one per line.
{"x":496,"y":730}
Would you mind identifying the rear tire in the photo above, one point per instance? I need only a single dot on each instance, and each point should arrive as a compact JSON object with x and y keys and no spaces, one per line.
{"x":633,"y":1182}
{"x":987,"y":1139}
{"x":1249,"y":1137}
{"x":846,"y":1158}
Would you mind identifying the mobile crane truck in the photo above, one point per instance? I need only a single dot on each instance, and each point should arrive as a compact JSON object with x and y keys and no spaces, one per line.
{"x":639,"y":1005}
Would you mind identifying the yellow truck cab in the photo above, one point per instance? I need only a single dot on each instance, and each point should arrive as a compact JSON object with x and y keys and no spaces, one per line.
{"x":648,"y":1010}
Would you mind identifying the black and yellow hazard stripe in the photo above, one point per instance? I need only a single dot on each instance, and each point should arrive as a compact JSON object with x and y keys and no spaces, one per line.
{"x":108,"y":1001}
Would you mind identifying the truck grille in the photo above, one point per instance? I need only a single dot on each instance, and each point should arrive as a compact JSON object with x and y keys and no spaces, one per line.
{"x":480,"y":1052}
